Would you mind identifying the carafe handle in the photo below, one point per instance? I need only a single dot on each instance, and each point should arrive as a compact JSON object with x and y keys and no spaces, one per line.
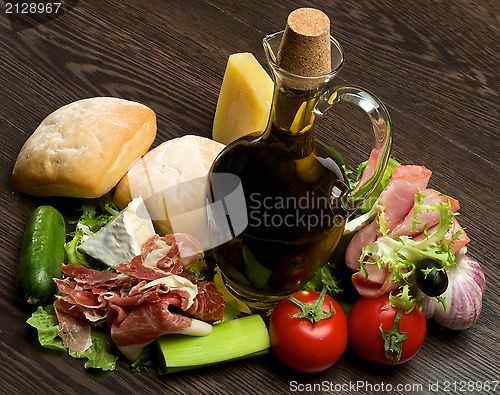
{"x":382,"y":128}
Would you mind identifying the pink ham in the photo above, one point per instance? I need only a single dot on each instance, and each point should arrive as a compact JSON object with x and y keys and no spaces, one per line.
{"x":426,"y":218}
{"x":379,"y":282}
{"x":370,"y":169}
{"x":136,"y":309}
{"x":398,"y":200}
{"x":462,"y":240}
{"x":399,"y":194}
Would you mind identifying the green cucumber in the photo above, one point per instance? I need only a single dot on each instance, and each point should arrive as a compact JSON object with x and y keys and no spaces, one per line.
{"x":42,"y":255}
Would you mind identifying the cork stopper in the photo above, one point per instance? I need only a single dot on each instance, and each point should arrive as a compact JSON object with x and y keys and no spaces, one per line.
{"x":305,"y":46}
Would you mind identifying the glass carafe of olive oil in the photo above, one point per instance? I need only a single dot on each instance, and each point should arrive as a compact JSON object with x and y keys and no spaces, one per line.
{"x":293,"y":189}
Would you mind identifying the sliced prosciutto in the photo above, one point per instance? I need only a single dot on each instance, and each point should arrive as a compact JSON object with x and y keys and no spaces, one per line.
{"x":398,"y":200}
{"x":141,"y":301}
{"x":138,"y":326}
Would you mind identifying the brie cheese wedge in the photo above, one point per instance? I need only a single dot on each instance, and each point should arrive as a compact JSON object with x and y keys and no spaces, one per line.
{"x":120,"y":240}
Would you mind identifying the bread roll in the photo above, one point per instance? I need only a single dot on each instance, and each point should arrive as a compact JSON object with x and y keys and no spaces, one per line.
{"x":83,"y":149}
{"x":172,"y":181}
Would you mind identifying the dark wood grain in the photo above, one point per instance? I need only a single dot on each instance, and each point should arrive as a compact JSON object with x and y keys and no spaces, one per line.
{"x":435,"y":64}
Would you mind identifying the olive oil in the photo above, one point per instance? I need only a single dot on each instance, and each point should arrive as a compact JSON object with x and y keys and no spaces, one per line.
{"x":293,"y":188}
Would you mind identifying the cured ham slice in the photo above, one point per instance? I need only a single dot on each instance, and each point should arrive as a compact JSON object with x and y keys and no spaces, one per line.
{"x":207,"y":304}
{"x":170,"y":254}
{"x":137,"y":327}
{"x":457,"y":244}
{"x":398,"y":200}
{"x":139,"y":302}
{"x":73,"y":329}
{"x":91,"y":278}
{"x":170,"y":251}
{"x":379,"y":281}
{"x":428,"y":218}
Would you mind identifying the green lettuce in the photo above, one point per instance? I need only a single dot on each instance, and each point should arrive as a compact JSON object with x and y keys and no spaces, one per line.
{"x":46,"y":323}
{"x":143,"y":362}
{"x":102,"y":354}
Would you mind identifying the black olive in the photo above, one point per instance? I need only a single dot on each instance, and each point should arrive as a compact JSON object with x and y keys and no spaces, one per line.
{"x":436,"y":281}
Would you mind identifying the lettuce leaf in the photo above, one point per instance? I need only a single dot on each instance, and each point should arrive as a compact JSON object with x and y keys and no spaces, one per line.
{"x":102,"y":354}
{"x":144,"y":362}
{"x":45,"y":321}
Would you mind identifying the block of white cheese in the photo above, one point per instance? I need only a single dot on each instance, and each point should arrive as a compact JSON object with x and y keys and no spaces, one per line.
{"x":244,"y":99}
{"x":120,"y":240}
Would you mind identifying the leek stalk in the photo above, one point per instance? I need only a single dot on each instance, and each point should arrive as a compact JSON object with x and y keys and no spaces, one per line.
{"x":229,"y":341}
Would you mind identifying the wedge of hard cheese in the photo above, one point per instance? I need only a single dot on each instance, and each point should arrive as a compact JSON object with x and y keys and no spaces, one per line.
{"x":244,"y":100}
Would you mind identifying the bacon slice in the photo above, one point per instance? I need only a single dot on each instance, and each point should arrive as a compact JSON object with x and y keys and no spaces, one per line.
{"x":135,"y":301}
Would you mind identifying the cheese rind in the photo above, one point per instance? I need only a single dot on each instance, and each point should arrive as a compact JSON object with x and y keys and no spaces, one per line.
{"x":244,"y":100}
{"x":121,"y":239}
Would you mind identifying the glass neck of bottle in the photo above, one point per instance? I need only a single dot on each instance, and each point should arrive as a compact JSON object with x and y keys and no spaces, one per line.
{"x":290,"y":127}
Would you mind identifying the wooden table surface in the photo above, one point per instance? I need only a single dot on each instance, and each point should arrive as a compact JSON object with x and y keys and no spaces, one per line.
{"x":435,"y":64}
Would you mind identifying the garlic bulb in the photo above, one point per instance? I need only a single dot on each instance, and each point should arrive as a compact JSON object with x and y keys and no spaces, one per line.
{"x":463,"y":297}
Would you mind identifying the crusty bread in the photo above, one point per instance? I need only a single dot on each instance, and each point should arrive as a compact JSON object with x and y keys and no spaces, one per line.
{"x":84,"y":148}
{"x":172,"y":180}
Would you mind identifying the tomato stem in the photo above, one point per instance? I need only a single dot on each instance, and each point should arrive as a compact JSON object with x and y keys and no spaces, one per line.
{"x":394,"y":339}
{"x":313,"y":312}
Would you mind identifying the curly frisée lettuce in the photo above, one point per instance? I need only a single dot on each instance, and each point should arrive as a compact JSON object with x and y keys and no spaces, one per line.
{"x":325,"y":278}
{"x":401,"y":254}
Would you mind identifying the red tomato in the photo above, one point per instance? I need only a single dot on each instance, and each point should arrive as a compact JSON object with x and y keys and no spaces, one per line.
{"x":365,"y":318}
{"x":304,"y":345}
